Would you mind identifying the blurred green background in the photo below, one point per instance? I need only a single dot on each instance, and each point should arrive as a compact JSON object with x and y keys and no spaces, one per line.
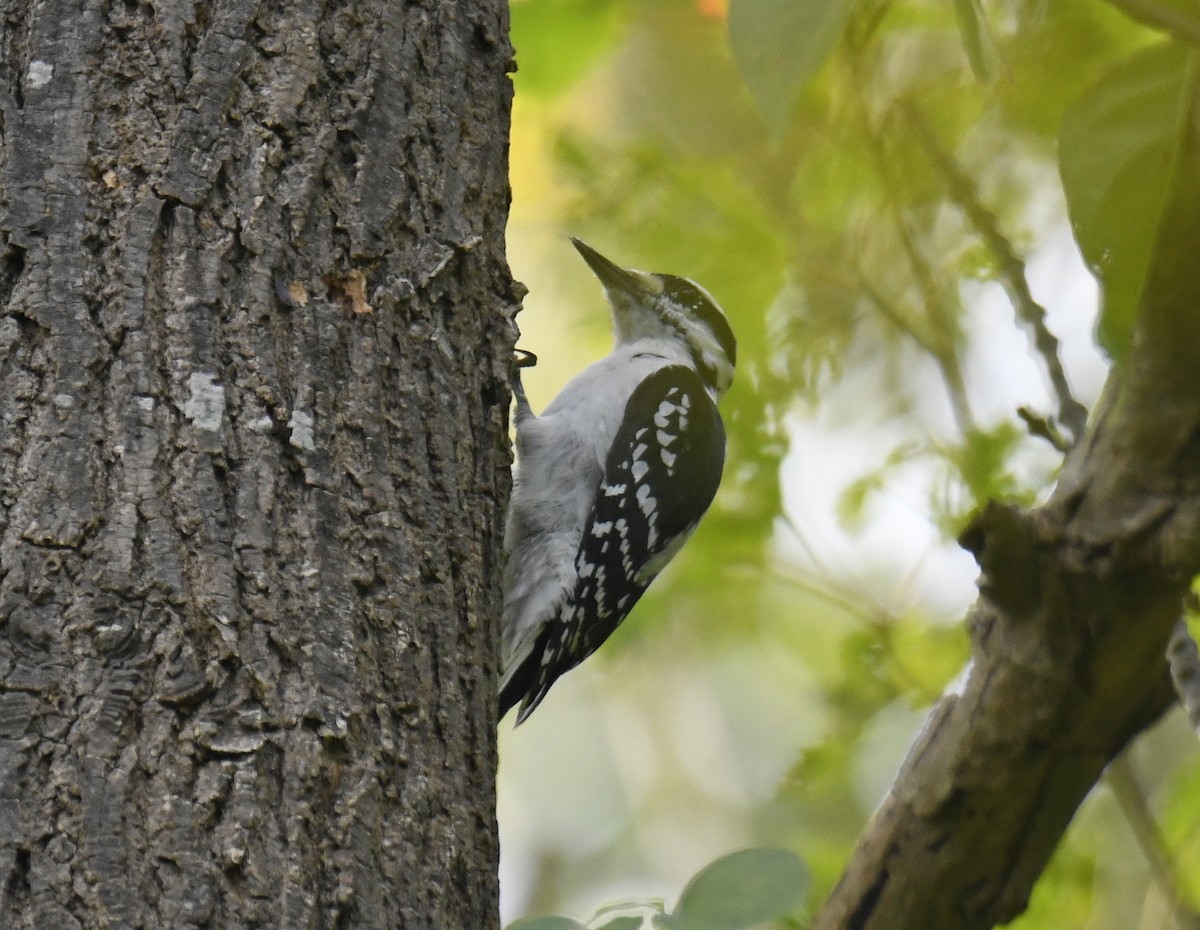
{"x":866,"y":187}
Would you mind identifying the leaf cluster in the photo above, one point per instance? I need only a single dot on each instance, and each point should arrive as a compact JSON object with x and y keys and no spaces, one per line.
{"x":738,"y":891}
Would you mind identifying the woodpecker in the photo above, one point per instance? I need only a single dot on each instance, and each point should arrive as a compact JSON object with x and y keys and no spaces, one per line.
{"x":613,"y":477}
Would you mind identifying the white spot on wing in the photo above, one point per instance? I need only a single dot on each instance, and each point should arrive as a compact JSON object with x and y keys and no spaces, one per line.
{"x":639,"y":472}
{"x":659,"y":560}
{"x":645,"y":501}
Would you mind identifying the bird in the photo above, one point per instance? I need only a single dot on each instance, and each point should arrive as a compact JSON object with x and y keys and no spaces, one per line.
{"x":613,"y":477}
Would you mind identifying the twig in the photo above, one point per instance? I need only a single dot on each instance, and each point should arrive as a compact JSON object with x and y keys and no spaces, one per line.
{"x":946,"y":360}
{"x":840,"y":595}
{"x":946,"y":356}
{"x":1042,"y":428}
{"x":834,"y":598}
{"x":1071,"y":413}
{"x":1184,"y":660}
{"x":1132,"y":801}
{"x":892,"y":314}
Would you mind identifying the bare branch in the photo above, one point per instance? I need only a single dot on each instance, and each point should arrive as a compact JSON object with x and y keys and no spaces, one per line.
{"x":1042,"y":428}
{"x":1123,"y":780}
{"x":944,"y":358}
{"x":1184,"y":659}
{"x":891,"y":313}
{"x":945,"y":354}
{"x":962,"y":190}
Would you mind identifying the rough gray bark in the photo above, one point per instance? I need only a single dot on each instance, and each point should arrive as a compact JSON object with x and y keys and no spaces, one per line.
{"x":253,"y":359}
{"x":1078,"y":600}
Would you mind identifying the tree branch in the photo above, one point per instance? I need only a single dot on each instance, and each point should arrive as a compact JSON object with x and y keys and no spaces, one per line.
{"x":1184,"y":659}
{"x":962,"y":190}
{"x":1132,"y":801}
{"x":1078,"y":599}
{"x":1042,"y":428}
{"x":1063,"y":636}
{"x":945,"y":351}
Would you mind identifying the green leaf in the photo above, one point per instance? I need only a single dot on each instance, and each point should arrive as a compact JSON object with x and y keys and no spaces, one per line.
{"x":552,"y":922}
{"x":1170,"y":330}
{"x":628,"y":922}
{"x":1116,"y":151}
{"x":982,"y":461}
{"x":921,"y":657}
{"x":852,"y":502}
{"x":743,"y":889}
{"x":779,"y":44}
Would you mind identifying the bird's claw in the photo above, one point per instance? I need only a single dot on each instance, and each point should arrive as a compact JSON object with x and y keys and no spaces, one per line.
{"x":524,"y":359}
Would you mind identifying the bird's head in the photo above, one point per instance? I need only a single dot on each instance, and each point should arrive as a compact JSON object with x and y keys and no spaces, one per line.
{"x":671,"y":308}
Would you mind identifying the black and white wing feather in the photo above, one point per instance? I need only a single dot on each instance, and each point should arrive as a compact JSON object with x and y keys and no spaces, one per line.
{"x":660,"y":476}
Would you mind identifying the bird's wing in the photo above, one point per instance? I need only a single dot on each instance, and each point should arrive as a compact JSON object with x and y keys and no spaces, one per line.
{"x":661,"y":474}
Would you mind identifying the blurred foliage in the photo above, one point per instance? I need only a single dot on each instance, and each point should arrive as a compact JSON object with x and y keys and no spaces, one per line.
{"x":560,"y":40}
{"x":779,"y":45}
{"x":739,"y":891}
{"x":1117,"y":148}
{"x":878,"y":193}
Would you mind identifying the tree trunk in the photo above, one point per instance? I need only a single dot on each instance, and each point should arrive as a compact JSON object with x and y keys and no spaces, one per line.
{"x":253,"y":462}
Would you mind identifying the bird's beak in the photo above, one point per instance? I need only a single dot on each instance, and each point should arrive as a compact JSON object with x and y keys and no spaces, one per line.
{"x":615,"y":278}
